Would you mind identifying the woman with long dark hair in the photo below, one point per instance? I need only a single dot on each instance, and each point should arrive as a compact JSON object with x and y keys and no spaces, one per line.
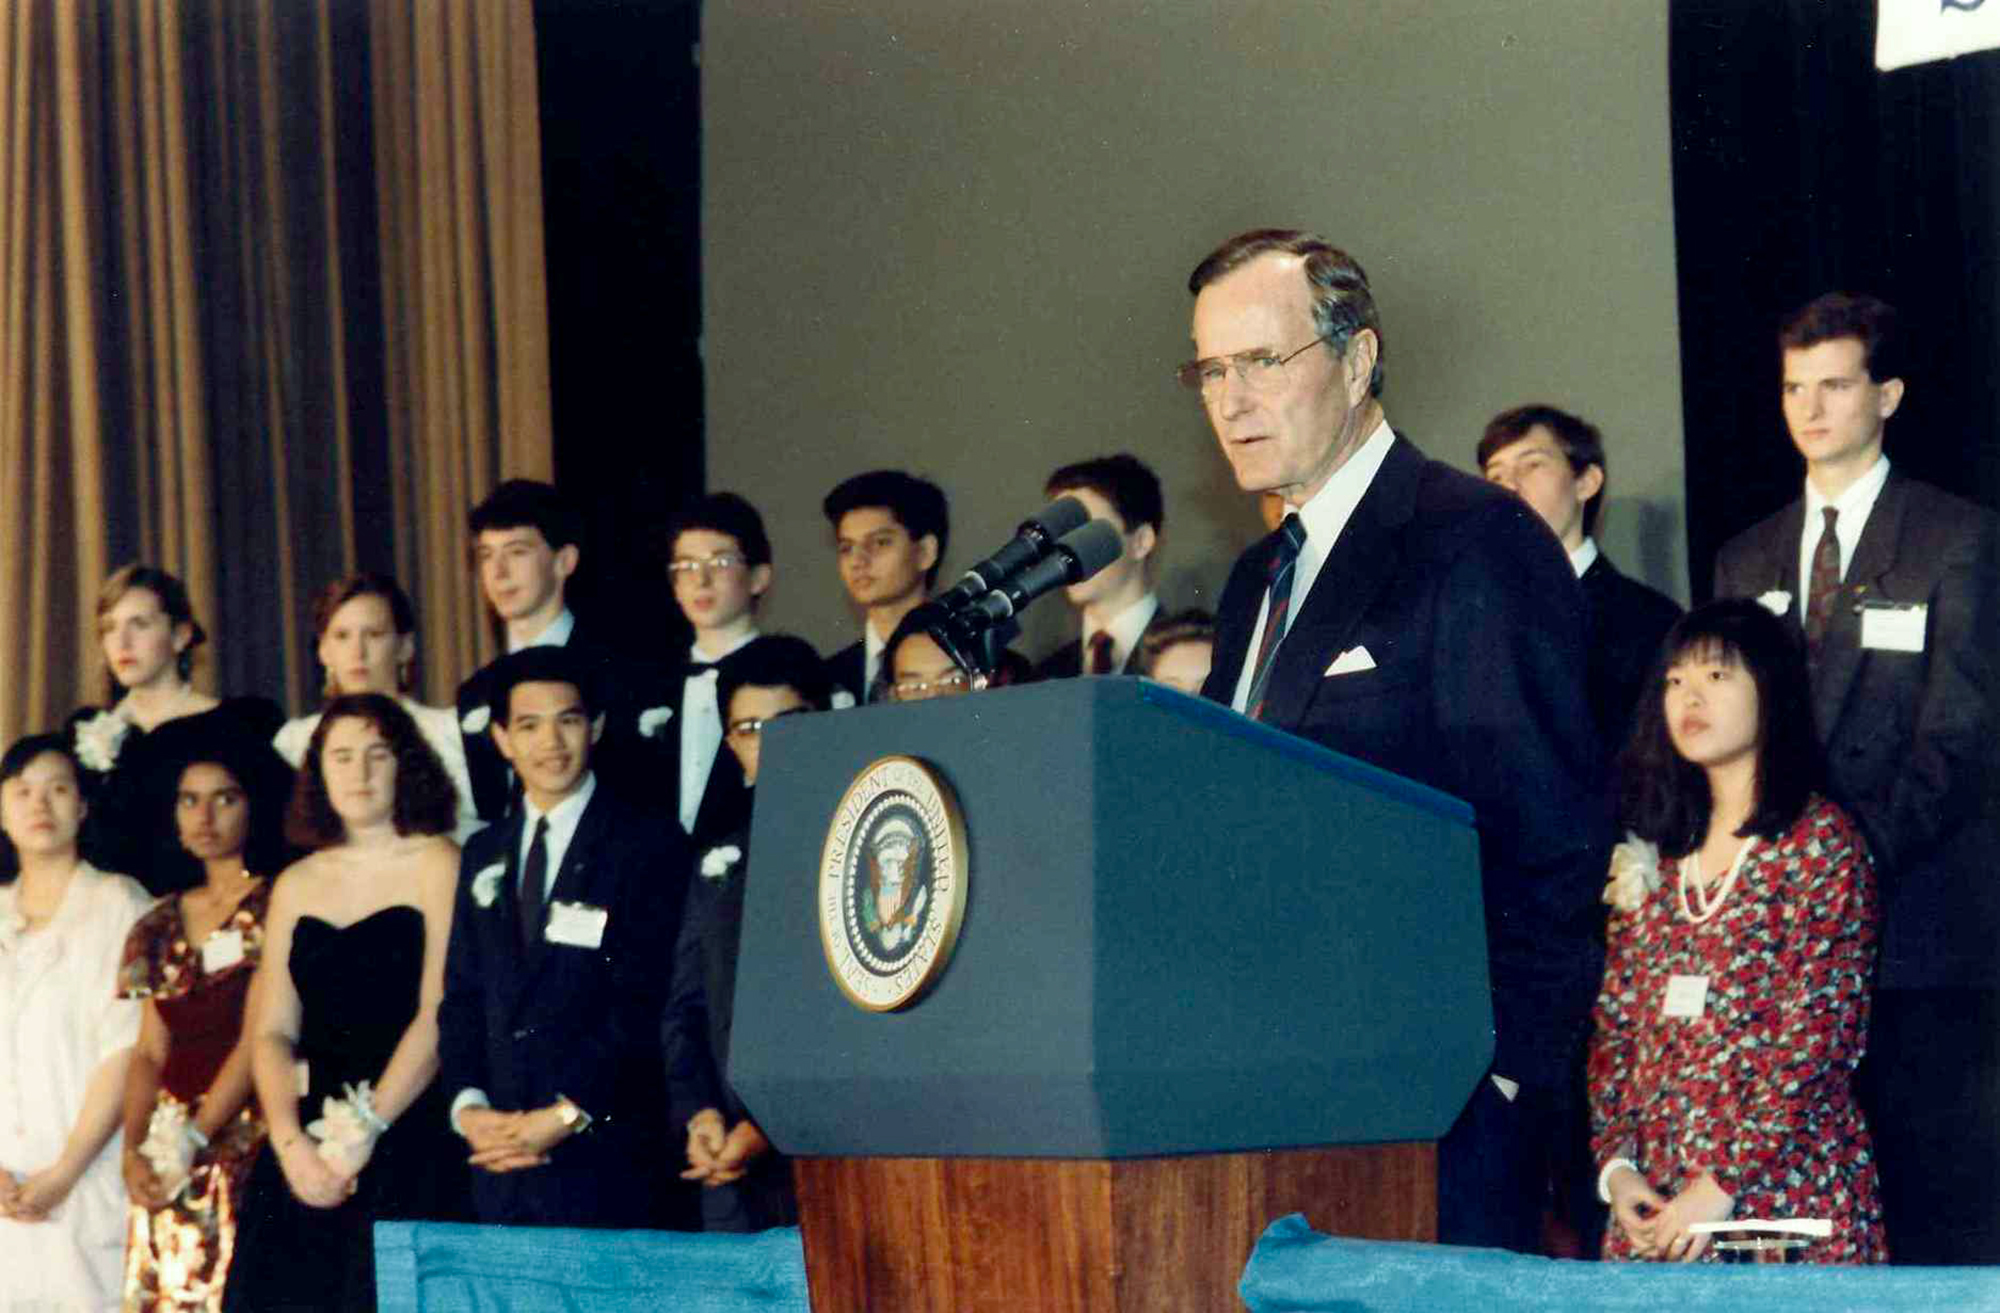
{"x":1739,"y":955}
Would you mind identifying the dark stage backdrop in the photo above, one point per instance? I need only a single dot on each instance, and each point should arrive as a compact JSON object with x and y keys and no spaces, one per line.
{"x":1800,"y":169}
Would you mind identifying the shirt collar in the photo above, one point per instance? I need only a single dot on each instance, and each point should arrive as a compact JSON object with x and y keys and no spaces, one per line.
{"x":1854,"y":503}
{"x":1126,"y":628}
{"x":698,"y":656}
{"x":1329,"y":509}
{"x":556,"y":634}
{"x":562,"y":817}
{"x":1583,"y":557}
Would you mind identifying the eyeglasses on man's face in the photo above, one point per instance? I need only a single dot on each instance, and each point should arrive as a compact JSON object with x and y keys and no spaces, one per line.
{"x":1259,"y":370}
{"x":688,"y":567}
{"x":916,"y":690}
{"x":751,"y":727}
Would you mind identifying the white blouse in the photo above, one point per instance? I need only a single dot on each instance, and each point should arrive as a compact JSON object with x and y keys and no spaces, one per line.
{"x":438,"y":725}
{"x":60,"y":1019}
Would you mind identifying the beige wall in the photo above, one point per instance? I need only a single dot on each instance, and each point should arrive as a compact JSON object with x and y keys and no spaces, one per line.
{"x":954,"y":236}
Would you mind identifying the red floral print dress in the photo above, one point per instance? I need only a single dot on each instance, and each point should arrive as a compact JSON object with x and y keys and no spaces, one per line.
{"x":1758,"y":1089}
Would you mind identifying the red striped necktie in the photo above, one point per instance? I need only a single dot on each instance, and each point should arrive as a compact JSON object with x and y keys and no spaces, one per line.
{"x":1284,"y":555}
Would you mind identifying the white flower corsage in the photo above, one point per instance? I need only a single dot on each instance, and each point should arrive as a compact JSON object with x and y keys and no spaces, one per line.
{"x":1635,"y":872}
{"x":486,"y":884}
{"x":653,"y":719}
{"x":347,"y":1128}
{"x":476,"y":720}
{"x":842,"y":699}
{"x":171,"y":1142}
{"x":716,"y":862}
{"x":1778,"y":602}
{"x":99,"y":738}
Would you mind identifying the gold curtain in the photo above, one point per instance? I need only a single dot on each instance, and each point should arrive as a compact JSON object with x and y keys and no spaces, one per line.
{"x":216,"y":356}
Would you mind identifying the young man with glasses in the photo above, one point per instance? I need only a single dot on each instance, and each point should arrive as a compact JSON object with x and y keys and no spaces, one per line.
{"x":890,"y":530}
{"x":744,"y":1185}
{"x":1422,"y":620}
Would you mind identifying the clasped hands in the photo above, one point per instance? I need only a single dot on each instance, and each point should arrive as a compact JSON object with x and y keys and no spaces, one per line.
{"x":1658,"y":1226}
{"x":33,"y":1197}
{"x":511,"y":1141}
{"x":717,"y":1153}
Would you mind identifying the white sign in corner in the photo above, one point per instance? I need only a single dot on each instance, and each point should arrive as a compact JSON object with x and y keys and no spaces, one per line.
{"x":1919,"y":31}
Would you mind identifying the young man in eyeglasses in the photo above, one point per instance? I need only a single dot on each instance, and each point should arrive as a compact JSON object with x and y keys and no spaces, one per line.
{"x":745,"y":1186}
{"x":719,"y":560}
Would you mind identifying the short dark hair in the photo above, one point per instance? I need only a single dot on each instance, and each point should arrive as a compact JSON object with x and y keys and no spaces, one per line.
{"x":774,"y":661}
{"x":1869,"y":320}
{"x":720,"y":512}
{"x":426,"y":802}
{"x":528,"y":504}
{"x":545,"y":663}
{"x":173,"y":598}
{"x":917,"y":504}
{"x":1664,"y":797}
{"x":17,"y":759}
{"x":1193,"y":625}
{"x":1579,"y":439}
{"x":1342,"y":303}
{"x":1123,"y":480}
{"x":366,"y":583}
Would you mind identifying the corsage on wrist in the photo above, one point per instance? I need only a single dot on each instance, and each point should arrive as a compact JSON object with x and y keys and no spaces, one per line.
{"x":348,"y":1127}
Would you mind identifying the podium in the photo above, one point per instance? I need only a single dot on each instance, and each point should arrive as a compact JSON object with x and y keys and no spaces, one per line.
{"x":1207,"y":974}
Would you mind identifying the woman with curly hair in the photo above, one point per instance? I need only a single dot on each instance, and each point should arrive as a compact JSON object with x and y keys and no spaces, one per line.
{"x":343,"y":1030}
{"x":1740,"y":951}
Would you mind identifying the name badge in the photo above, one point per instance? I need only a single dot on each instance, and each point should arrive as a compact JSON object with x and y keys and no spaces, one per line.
{"x":1687,"y":996}
{"x":578,"y":925}
{"x":1886,"y":627}
{"x":221,"y":950}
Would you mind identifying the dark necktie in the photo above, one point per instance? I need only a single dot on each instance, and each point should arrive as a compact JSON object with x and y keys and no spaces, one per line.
{"x":1098,"y":660}
{"x":1824,"y":582}
{"x":1284,"y":555}
{"x":534,"y":882}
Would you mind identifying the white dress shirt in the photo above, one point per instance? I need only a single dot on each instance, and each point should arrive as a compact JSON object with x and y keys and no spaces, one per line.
{"x":555,"y":635}
{"x":1583,"y":557}
{"x":1126,"y":629}
{"x":873,"y":645}
{"x":1854,"y":506}
{"x":701,"y":730}
{"x":1324,"y":516}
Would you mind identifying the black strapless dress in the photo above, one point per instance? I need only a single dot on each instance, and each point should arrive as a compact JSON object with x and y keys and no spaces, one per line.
{"x":358,"y":989}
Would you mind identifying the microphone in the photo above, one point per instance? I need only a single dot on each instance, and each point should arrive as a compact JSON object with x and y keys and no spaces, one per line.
{"x":1074,"y":557}
{"x":1032,"y":542}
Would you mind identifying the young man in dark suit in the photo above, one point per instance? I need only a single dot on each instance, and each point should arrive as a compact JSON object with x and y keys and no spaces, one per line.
{"x":1554,"y":461}
{"x":745,"y":1185}
{"x":1891,"y":585}
{"x":1117,"y":603}
{"x":525,"y":547}
{"x":556,"y":973}
{"x":1422,"y":620}
{"x":890,"y":530}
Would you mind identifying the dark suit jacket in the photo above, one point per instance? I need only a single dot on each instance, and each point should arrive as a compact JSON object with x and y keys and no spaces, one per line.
{"x":1628,"y":620}
{"x":848,"y":669}
{"x":1066,"y":662}
{"x":1909,"y":735}
{"x":725,"y":800}
{"x":571,"y":1021}
{"x":493,"y":788}
{"x":700,"y":1015}
{"x":1476,"y":626}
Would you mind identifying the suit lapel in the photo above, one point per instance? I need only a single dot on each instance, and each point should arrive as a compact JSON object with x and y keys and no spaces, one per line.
{"x":1363,"y":560}
{"x":1841,"y":655}
{"x":1236,"y":614}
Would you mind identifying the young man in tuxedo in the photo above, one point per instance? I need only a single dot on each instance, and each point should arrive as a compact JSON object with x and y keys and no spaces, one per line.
{"x":1424,"y":621}
{"x":1890,"y":584}
{"x":1117,"y":603}
{"x":890,"y":530}
{"x":745,"y":1185}
{"x":555,"y":977}
{"x":525,"y":546}
{"x":1554,"y":461}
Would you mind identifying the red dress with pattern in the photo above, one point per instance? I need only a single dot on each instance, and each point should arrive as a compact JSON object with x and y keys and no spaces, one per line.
{"x":1758,"y":1089}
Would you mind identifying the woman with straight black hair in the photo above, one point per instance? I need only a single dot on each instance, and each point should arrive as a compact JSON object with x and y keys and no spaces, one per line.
{"x":1739,"y":956}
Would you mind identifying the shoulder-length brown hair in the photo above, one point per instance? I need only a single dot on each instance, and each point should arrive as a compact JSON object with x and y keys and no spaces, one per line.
{"x":173,"y":599}
{"x":425,"y":800}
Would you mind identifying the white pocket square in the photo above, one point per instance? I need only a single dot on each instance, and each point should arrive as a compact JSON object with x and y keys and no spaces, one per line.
{"x":1351,"y":662}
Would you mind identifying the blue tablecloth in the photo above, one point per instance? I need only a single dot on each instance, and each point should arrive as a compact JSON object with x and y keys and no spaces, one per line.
{"x":1295,"y":1269}
{"x":426,"y":1267}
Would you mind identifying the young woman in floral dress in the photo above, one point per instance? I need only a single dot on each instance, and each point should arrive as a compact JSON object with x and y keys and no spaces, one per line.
{"x":1740,"y":950}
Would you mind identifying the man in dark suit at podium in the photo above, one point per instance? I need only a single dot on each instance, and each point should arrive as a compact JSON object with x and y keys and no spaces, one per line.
{"x":1422,"y":620}
{"x":558,"y":968}
{"x":1891,"y":584}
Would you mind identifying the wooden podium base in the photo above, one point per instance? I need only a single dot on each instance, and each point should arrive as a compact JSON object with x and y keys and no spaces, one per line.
{"x":965,"y":1235}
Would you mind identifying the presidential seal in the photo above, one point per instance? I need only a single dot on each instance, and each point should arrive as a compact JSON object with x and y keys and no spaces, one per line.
{"x":892,"y":884}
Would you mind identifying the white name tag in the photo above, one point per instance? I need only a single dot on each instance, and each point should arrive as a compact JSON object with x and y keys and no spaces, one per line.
{"x":221,"y":950}
{"x":579,"y":925}
{"x":1894,"y":628}
{"x":1687,"y":996}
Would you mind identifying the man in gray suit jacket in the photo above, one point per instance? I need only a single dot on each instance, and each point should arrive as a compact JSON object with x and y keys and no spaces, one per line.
{"x":1892,"y":586}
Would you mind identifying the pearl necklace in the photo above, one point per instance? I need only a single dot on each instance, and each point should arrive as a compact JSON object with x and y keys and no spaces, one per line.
{"x":1691,"y":877}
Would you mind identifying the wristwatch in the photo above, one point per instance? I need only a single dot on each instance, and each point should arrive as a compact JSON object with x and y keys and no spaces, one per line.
{"x":574,"y":1119}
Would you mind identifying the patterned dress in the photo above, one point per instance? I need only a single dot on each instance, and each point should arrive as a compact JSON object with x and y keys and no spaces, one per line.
{"x":178,"y":1258}
{"x":1758,"y":1089}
